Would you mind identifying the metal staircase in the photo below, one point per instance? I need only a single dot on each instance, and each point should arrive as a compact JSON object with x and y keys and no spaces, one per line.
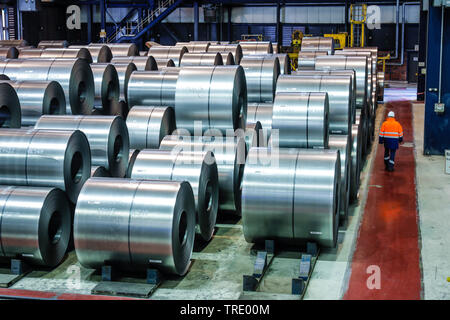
{"x":133,"y":30}
{"x":358,"y":14}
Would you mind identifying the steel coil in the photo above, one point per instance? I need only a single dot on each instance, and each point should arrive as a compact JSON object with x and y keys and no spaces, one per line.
{"x":107,"y":86}
{"x":230,"y":156}
{"x":70,"y":53}
{"x":359,"y":64}
{"x":197,"y":168}
{"x":124,"y":71}
{"x":147,"y":126}
{"x":118,"y":108}
{"x":256,"y":47}
{"x":107,"y":136}
{"x":261,"y":74}
{"x":372,"y":50}
{"x":356,"y":161}
{"x":361,"y":118}
{"x":343,"y":144}
{"x":153,"y":88}
{"x":307,"y":59}
{"x":252,"y":135}
{"x":74,"y":75}
{"x":167,"y":52}
{"x":318,"y":44}
{"x":35,"y":224}
{"x":301,"y":119}
{"x":293,"y":201}
{"x":99,"y":171}
{"x":194,"y":46}
{"x":37,"y":98}
{"x":339,"y":96}
{"x":9,"y":53}
{"x":30,"y":53}
{"x":13,"y":43}
{"x":45,"y":158}
{"x":131,"y":159}
{"x":147,"y":63}
{"x":53,"y":44}
{"x":164,"y":63}
{"x":100,"y":54}
{"x":10,"y":112}
{"x":135,"y":224}
{"x":201,"y":59}
{"x":212,"y":97}
{"x":285,"y":63}
{"x":235,"y":49}
{"x":119,"y":49}
{"x":261,"y":112}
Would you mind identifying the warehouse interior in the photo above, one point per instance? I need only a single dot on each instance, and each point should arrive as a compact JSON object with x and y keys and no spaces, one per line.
{"x":224,"y":150}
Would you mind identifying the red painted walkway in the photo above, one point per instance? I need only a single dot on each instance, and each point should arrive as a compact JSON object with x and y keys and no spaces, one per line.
{"x":388,"y":235}
{"x":45,"y":295}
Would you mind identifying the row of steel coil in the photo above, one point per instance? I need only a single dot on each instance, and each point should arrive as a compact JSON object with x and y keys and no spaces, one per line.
{"x":134,"y":155}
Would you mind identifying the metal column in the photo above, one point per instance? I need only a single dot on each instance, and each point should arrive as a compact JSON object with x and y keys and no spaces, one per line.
{"x":196,"y":13}
{"x":102,"y":20}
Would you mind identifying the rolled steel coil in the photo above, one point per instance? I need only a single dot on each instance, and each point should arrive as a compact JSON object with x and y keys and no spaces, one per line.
{"x":235,"y":49}
{"x":356,"y":161}
{"x":301,"y":119}
{"x":262,"y":113}
{"x":361,"y":118}
{"x":35,"y":224}
{"x":74,"y":75}
{"x":10,"y":111}
{"x":307,"y":59}
{"x":261,"y":74}
{"x":13,"y":43}
{"x":372,"y":50}
{"x":147,"y":126}
{"x":275,"y":47}
{"x":380,"y":77}
{"x":99,"y":54}
{"x":45,"y":158}
{"x":37,"y":98}
{"x":131,"y":159}
{"x":230,"y":156}
{"x":256,"y":47}
{"x":343,"y":144}
{"x":285,"y":63}
{"x":227,"y":58}
{"x":339,"y":96}
{"x":167,"y":52}
{"x":197,"y":168}
{"x":81,"y":53}
{"x":252,"y":135}
{"x":147,"y":63}
{"x":194,"y":46}
{"x":30,"y":53}
{"x":294,"y":200}
{"x":53,"y":44}
{"x":318,"y":44}
{"x":4,"y":77}
{"x":107,"y":86}
{"x":359,"y":64}
{"x":153,"y":224}
{"x":213,"y":97}
{"x":107,"y":136}
{"x":118,"y":108}
{"x":201,"y":59}
{"x":164,"y":63}
{"x":124,"y":71}
{"x":153,"y":88}
{"x":9,"y":53}
{"x":119,"y":49}
{"x":99,"y":171}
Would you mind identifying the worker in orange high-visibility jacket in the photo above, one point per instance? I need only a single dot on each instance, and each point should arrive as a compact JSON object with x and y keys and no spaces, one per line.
{"x":391,"y":134}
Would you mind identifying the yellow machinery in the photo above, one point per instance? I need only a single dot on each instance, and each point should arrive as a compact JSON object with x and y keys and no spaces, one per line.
{"x":296,"y":44}
{"x":340,"y":38}
{"x":382,"y":60}
{"x":358,"y":15}
{"x":252,"y":37}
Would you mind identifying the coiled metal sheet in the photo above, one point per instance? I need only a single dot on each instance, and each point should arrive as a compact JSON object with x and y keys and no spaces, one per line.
{"x":164,"y":63}
{"x":147,"y":126}
{"x":153,"y":223}
{"x":307,"y":59}
{"x":124,"y":71}
{"x":256,"y":47}
{"x":197,"y":168}
{"x":194,"y":46}
{"x":118,"y":108}
{"x":99,"y":171}
{"x":119,"y":49}
{"x":30,"y":53}
{"x":361,"y":118}
{"x":147,"y":63}
{"x":285,"y":63}
{"x":235,"y":49}
{"x":201,"y":59}
{"x":339,"y":96}
{"x":107,"y":86}
{"x":318,"y":44}
{"x":252,"y":135}
{"x":262,"y":113}
{"x":9,"y":53}
{"x":167,"y":52}
{"x":301,"y":119}
{"x":13,"y":43}
{"x":70,"y":53}
{"x":74,"y":76}
{"x":261,"y":74}
{"x":294,"y":200}
{"x":359,"y":64}
{"x":131,"y":159}
{"x":59,"y":159}
{"x":99,"y":54}
{"x":356,"y":161}
{"x":53,"y":44}
{"x":38,"y":98}
{"x":35,"y":224}
{"x":10,"y":112}
{"x":212,"y":97}
{"x":107,"y":136}
{"x":343,"y":144}
{"x":230,"y":156}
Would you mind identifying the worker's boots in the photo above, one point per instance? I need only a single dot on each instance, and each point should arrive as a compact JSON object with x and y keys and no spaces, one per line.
{"x":386,"y":165}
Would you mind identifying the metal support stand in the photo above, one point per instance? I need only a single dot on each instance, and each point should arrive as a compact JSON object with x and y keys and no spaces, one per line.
{"x":262,"y":263}
{"x":307,"y":263}
{"x":18,"y":269}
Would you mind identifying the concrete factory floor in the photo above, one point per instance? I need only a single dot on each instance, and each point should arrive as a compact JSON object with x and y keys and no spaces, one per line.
{"x":217,"y":268}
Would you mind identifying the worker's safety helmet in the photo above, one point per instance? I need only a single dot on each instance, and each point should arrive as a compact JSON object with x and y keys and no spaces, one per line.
{"x":391,"y":114}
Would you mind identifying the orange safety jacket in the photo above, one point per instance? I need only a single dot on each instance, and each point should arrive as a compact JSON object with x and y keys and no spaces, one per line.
{"x":391,"y":133}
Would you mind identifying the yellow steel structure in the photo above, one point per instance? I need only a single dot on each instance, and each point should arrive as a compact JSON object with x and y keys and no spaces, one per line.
{"x":358,"y":15}
{"x":252,"y":37}
{"x":382,"y":60}
{"x":341,"y":38}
